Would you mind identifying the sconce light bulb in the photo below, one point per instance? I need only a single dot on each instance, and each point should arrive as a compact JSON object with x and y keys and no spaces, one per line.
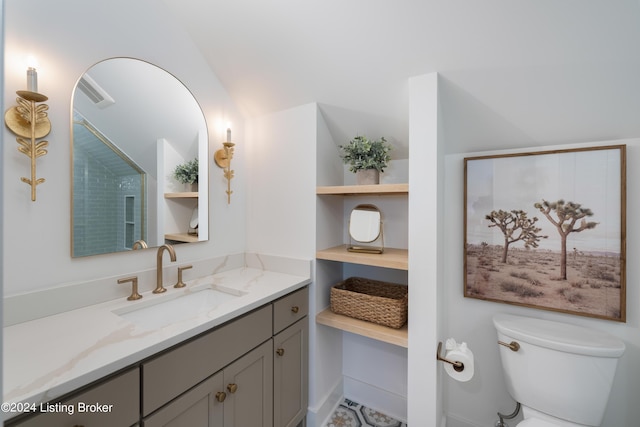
{"x":32,"y":80}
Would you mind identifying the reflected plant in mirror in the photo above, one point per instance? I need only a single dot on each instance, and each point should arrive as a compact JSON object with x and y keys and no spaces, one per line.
{"x":187,"y":173}
{"x":133,"y":124}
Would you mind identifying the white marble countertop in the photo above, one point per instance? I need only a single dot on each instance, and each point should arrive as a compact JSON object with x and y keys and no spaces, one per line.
{"x":49,"y":357}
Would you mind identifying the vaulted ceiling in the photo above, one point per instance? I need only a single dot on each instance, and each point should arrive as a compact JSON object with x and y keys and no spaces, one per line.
{"x":514,"y":72}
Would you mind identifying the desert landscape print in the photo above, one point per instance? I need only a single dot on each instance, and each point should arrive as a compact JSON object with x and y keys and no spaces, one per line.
{"x":547,"y":229}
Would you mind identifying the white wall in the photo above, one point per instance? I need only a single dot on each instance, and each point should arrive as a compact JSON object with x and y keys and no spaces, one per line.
{"x":326,"y":386}
{"x":425,"y":256}
{"x":476,"y":402}
{"x":67,"y":37}
{"x":281,"y":183}
{"x":281,"y":219}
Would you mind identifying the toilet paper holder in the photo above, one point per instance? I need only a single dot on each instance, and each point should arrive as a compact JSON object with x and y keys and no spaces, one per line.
{"x":457,"y":366}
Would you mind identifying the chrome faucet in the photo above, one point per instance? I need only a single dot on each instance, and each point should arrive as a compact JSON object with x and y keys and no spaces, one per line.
{"x":172,"y":253}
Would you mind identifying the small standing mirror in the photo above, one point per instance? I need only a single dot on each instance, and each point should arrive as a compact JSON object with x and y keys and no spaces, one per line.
{"x":365,"y":229}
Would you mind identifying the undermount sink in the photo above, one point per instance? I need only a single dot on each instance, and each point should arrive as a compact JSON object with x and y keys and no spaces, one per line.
{"x":163,"y":310}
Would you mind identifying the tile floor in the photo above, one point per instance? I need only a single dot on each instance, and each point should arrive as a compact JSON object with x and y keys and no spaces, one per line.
{"x":352,"y":414}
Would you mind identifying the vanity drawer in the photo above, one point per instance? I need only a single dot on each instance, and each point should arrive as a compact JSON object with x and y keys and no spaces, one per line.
{"x":290,"y":309}
{"x":113,"y":402}
{"x":176,"y":371}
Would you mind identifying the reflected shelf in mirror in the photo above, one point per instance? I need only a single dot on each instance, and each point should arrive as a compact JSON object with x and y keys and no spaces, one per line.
{"x":175,"y":238}
{"x":182,"y":195}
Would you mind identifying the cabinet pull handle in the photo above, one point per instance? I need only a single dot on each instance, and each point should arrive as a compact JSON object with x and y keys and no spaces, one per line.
{"x":221,"y":396}
{"x":280,"y":352}
{"x":295,"y":309}
{"x":232,"y":388}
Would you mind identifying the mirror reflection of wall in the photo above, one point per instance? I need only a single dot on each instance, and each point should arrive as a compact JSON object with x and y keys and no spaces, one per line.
{"x":132,"y":124}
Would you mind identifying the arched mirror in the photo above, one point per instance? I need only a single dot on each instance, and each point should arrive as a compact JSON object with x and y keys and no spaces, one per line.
{"x":133,"y":123}
{"x":365,"y":229}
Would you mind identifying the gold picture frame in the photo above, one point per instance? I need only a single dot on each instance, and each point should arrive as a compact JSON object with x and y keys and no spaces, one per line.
{"x":547,"y":230}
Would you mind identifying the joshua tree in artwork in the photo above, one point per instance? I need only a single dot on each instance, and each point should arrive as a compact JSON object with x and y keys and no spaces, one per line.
{"x":515,"y":226}
{"x":566,"y":222}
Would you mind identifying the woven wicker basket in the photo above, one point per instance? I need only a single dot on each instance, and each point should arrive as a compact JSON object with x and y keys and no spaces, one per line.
{"x":371,"y":300}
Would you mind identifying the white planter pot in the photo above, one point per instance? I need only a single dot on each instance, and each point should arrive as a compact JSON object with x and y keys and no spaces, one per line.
{"x":367,"y":177}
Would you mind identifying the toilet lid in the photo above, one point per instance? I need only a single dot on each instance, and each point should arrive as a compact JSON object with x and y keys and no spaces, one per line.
{"x":536,"y":422}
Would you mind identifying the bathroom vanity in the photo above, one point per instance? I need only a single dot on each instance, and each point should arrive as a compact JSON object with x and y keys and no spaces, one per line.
{"x":242,"y":363}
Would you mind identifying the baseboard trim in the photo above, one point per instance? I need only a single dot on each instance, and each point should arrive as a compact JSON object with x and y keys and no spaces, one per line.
{"x":319,"y":415}
{"x":387,"y":402}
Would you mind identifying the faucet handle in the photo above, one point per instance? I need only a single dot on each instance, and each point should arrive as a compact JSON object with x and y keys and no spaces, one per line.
{"x":134,"y":287}
{"x":180,"y":283}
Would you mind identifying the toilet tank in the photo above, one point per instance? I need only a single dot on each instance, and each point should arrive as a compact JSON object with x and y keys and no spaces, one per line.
{"x":562,"y":370}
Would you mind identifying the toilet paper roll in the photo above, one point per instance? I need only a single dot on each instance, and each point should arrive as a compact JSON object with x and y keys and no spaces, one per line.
{"x":464,"y":355}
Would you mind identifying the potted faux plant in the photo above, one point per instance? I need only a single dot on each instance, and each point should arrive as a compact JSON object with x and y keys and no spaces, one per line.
{"x":366,"y":158}
{"x":187,"y":173}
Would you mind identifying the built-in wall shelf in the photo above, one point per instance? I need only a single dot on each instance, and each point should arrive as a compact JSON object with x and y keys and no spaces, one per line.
{"x":391,"y":257}
{"x":182,"y":237}
{"x":182,"y":195}
{"x":355,"y":190}
{"x":399,"y":337}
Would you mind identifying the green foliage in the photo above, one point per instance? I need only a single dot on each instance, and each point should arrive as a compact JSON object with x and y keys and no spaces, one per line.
{"x":362,"y":153}
{"x":187,"y":173}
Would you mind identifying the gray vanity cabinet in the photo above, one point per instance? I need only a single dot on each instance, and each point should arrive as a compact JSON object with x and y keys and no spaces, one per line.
{"x":248,"y":383}
{"x":174,"y":372}
{"x":120,"y":394}
{"x":239,"y":395}
{"x":249,"y":372}
{"x":197,"y":407}
{"x":290,"y":363}
{"x":290,"y":372}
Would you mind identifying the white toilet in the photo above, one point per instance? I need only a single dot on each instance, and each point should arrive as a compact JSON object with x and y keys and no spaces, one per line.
{"x":561,"y":374}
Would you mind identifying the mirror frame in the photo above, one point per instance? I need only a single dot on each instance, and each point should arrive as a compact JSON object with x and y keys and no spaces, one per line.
{"x":351,"y":247}
{"x":162,"y":189}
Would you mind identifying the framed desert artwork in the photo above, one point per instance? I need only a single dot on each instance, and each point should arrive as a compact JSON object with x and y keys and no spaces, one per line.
{"x":547,"y":230}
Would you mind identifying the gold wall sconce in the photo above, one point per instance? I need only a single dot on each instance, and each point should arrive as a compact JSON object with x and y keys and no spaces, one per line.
{"x":223,"y":158}
{"x":30,"y":122}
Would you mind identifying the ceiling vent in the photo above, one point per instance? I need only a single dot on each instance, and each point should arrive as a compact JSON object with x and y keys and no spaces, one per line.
{"x":94,"y":92}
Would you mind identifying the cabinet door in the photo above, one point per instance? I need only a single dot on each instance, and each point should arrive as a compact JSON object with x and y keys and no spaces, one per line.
{"x":290,"y":372}
{"x":201,"y":406}
{"x":249,"y":387}
{"x":113,"y":402}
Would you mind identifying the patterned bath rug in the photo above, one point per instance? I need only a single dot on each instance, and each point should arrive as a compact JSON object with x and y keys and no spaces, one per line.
{"x":352,"y":414}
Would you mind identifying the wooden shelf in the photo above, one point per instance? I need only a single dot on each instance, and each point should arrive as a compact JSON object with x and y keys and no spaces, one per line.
{"x":355,"y":190}
{"x":391,"y":258}
{"x":182,"y":237}
{"x":399,"y":337}
{"x":182,"y":195}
